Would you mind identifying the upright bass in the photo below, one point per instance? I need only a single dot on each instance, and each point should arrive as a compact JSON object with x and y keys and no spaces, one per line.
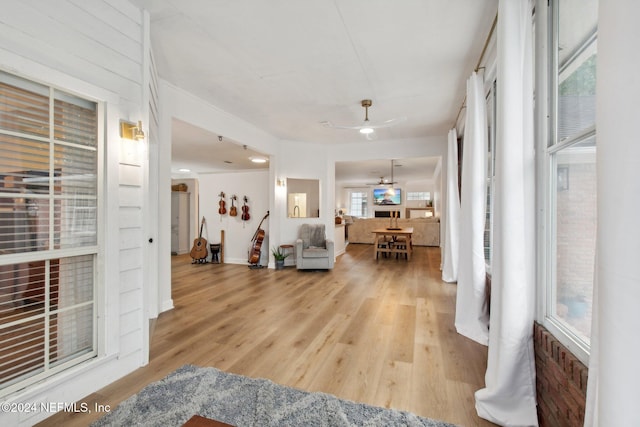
{"x":258,"y":237}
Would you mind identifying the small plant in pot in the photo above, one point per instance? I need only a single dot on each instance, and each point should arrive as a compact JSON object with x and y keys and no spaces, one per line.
{"x":279,"y":256}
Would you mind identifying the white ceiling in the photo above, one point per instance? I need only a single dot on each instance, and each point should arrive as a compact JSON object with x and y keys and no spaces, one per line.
{"x":287,"y":65}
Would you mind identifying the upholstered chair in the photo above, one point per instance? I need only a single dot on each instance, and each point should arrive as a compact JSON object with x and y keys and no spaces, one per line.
{"x":313,"y":250}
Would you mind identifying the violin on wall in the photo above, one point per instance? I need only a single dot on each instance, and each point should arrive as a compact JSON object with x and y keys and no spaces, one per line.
{"x":245,"y":210}
{"x":222,"y":209}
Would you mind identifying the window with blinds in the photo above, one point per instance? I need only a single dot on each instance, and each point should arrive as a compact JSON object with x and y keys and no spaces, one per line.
{"x":418,"y":196}
{"x":48,"y":230}
{"x":358,"y":203}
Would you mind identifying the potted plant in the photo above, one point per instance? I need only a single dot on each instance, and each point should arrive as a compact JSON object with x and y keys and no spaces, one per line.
{"x":279,"y":256}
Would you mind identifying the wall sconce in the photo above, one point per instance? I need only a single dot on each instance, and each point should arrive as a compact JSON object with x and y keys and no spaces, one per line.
{"x":129,"y":130}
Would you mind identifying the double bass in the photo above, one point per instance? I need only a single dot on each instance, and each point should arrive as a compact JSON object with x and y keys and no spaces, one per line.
{"x":258,"y":237}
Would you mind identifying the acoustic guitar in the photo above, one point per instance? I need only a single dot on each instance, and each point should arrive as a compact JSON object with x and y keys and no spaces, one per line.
{"x":199,"y":251}
{"x":233,"y":211}
{"x":258,"y":237}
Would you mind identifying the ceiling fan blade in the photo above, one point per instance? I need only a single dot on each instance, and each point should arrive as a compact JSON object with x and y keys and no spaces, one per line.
{"x":328,"y":124}
{"x":387,"y":123}
{"x":372,"y":125}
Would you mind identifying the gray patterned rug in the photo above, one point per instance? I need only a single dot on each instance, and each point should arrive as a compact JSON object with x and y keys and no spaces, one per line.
{"x":242,"y":401}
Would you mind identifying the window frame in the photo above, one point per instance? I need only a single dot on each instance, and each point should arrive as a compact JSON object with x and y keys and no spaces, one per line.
{"x":418,"y":196}
{"x":96,"y":251}
{"x":491,"y":103}
{"x":364,"y":205}
{"x":550,"y":147}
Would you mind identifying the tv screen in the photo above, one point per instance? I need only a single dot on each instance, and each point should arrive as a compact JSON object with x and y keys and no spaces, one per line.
{"x":386,"y":196}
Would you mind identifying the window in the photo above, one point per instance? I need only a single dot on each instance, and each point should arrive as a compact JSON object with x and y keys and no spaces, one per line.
{"x":48,"y":231}
{"x":571,"y":157}
{"x":418,"y":195}
{"x":358,"y":203}
{"x":491,"y":161}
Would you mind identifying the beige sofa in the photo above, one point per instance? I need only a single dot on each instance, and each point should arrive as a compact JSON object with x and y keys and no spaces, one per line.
{"x":426,"y":231}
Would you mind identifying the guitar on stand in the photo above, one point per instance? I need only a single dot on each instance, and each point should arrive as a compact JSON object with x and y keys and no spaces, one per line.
{"x":256,"y":244}
{"x":199,"y":251}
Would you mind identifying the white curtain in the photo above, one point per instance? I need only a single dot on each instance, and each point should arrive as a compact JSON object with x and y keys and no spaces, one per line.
{"x":472,"y":319}
{"x":509,"y":397}
{"x":614,"y":372}
{"x":452,"y":220}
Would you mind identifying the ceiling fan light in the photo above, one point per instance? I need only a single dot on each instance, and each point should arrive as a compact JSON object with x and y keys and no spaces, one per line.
{"x":366,"y":131}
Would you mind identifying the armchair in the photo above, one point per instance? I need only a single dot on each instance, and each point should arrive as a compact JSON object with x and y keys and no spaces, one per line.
{"x":313,"y":249}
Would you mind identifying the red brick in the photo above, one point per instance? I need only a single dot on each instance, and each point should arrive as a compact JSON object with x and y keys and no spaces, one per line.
{"x":560,"y":382}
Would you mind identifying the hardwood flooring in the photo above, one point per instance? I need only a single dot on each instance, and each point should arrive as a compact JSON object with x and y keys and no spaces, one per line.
{"x":380,"y":332}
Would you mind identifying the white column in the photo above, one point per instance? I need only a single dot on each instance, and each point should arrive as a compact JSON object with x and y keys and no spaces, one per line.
{"x":614,"y":372}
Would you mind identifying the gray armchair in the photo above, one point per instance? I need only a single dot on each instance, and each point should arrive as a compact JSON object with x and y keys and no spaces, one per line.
{"x":313,"y":249}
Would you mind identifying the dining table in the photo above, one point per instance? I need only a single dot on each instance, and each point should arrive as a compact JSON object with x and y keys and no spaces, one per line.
{"x":388,"y":241}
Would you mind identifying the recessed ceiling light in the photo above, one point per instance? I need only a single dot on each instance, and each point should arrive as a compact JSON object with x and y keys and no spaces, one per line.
{"x":184,"y":170}
{"x":258,"y":159}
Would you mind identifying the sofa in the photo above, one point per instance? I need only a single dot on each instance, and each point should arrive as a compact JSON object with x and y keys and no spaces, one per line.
{"x":426,"y":231}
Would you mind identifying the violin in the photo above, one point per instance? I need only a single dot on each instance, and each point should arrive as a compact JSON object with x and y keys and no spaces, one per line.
{"x":222,"y":209}
{"x":245,"y":210}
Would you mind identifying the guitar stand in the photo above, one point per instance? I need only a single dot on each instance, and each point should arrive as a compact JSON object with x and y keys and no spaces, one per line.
{"x":255,"y":266}
{"x":198,"y":261}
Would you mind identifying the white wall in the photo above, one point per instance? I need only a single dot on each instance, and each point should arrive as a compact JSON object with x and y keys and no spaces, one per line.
{"x":238,"y":234}
{"x":302,"y":161}
{"x":94,"y":49}
{"x":613,"y":371}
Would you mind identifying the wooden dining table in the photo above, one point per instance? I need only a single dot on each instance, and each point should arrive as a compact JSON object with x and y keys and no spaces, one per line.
{"x":391,"y":248}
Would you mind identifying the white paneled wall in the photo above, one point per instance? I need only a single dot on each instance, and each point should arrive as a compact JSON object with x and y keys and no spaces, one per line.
{"x":95,"y":49}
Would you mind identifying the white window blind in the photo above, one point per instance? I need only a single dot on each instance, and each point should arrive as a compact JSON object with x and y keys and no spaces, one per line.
{"x":358,"y":203}
{"x":418,"y":195}
{"x":48,"y":230}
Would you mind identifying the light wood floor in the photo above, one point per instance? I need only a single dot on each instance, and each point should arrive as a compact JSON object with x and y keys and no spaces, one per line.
{"x":375,"y":332}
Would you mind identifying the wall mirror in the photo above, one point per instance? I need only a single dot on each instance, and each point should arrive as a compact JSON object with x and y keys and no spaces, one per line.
{"x":303,"y":198}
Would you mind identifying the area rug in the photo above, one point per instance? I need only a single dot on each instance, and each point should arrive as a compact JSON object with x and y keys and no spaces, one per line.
{"x":242,"y":401}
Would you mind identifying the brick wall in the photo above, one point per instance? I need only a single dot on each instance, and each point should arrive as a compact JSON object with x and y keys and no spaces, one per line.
{"x":561,"y":382}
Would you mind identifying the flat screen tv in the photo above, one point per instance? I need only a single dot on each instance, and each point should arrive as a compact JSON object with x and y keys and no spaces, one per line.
{"x":386,"y":196}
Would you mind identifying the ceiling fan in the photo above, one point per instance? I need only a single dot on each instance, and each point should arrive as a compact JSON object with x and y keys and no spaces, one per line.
{"x":384,"y":181}
{"x":367,"y":128}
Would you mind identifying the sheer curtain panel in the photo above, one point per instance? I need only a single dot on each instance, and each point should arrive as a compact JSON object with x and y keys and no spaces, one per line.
{"x":509,"y":397}
{"x":452,"y":222}
{"x":472,"y":318}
